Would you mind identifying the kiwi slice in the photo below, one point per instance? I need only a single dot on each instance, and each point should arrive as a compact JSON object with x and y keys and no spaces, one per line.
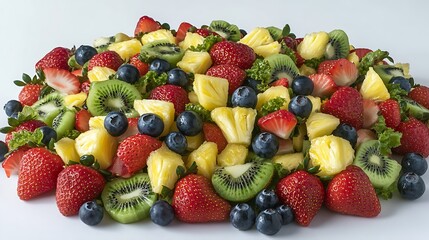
{"x":64,"y":122}
{"x":416,"y":110}
{"x":128,"y":200}
{"x":49,"y":107}
{"x":382,"y":171}
{"x":275,"y":32}
{"x":282,"y":66}
{"x":112,"y":95}
{"x":242,"y":182}
{"x":386,"y":72}
{"x":338,"y":45}
{"x":224,"y":29}
{"x":162,"y":49}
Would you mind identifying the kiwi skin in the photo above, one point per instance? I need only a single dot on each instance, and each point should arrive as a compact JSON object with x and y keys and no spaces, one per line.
{"x":49,"y":107}
{"x":338,"y":46}
{"x":163,"y":50}
{"x":224,"y":29}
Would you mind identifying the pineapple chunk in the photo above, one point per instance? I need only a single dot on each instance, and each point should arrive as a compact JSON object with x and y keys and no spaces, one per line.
{"x":321,"y":124}
{"x":257,"y":37}
{"x":373,"y":87}
{"x":233,"y":154}
{"x":273,"y":92}
{"x":268,"y":50}
{"x":205,"y":158}
{"x":195,"y":62}
{"x":306,"y":70}
{"x":289,"y":161}
{"x":236,"y":123}
{"x":161,"y":168}
{"x":126,"y":49}
{"x":96,"y":122}
{"x":163,"y":109}
{"x":65,"y":148}
{"x":158,"y":35}
{"x":313,"y":45}
{"x":193,"y":98}
{"x":75,"y":100}
{"x":353,"y":57}
{"x":317,"y":103}
{"x":100,"y":74}
{"x":193,"y":141}
{"x":298,"y":140}
{"x":212,"y":92}
{"x":191,"y":40}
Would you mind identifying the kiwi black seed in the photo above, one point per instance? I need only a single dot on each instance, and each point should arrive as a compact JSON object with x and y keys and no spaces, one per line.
{"x":275,"y":32}
{"x":338,"y":45}
{"x":224,"y":29}
{"x":416,"y":110}
{"x":387,"y":72}
{"x":112,"y":95}
{"x":162,"y":49}
{"x":242,"y":182}
{"x":49,"y":107}
{"x":64,"y":122}
{"x":128,"y":200}
{"x":382,"y":171}
{"x":282,"y":66}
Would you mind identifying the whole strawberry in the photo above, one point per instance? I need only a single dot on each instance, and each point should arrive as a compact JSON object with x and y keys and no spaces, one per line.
{"x":29,"y":94}
{"x":238,"y":54}
{"x":420,"y":94}
{"x":146,"y":24}
{"x":304,"y":193}
{"x":56,"y":58}
{"x":233,"y":74}
{"x":76,"y":185}
{"x":110,"y":59}
{"x":415,"y":138}
{"x":212,"y":133}
{"x":29,"y":125}
{"x":38,"y":173}
{"x":195,"y":201}
{"x":171,"y":93}
{"x":351,"y":192}
{"x":391,"y":112}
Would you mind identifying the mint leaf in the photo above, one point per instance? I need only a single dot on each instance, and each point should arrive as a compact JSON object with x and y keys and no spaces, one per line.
{"x":260,"y":71}
{"x":387,"y":137}
{"x":200,"y":110}
{"x":272,"y":105}
{"x":207,"y":44}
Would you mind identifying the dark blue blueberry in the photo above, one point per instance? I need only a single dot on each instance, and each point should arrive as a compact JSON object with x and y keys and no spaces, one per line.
{"x":176,"y":142}
{"x":189,"y":123}
{"x":265,"y":145}
{"x":250,"y":82}
{"x":161,"y":213}
{"x":91,"y":213}
{"x":269,"y":222}
{"x":244,"y":96}
{"x":84,"y":53}
{"x":266,"y":199}
{"x":411,"y":186}
{"x":116,"y":123}
{"x":150,"y":124}
{"x":3,"y":150}
{"x":301,"y":106}
{"x":286,"y":213}
{"x":177,"y":76}
{"x":12,"y":107}
{"x":128,"y":73}
{"x":302,"y":85}
{"x":242,"y":217}
{"x":48,"y":134}
{"x":403,"y":83}
{"x":347,"y":132}
{"x":414,"y":162}
{"x":159,"y":66}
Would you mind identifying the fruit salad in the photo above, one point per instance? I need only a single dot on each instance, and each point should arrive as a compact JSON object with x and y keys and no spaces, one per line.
{"x":212,"y":123}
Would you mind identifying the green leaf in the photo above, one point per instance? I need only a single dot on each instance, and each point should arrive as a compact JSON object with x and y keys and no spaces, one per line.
{"x":286,"y":30}
{"x":166,"y":194}
{"x":370,"y":59}
{"x":314,"y":62}
{"x":207,"y":44}
{"x":12,"y":122}
{"x":5,"y":130}
{"x":19,"y":83}
{"x":396,"y":92}
{"x":180,"y":171}
{"x":387,"y":137}
{"x":73,"y":134}
{"x":193,"y":168}
{"x":150,"y":81}
{"x":19,"y":139}
{"x":200,"y":110}
{"x":272,"y":105}
{"x":260,"y":71}
{"x":26,"y":78}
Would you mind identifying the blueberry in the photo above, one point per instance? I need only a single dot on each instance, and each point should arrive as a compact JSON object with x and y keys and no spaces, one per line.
{"x":48,"y":134}
{"x":84,"y":53}
{"x":150,"y":124}
{"x":403,"y":83}
{"x":176,"y":142}
{"x":411,"y":186}
{"x":266,"y":199}
{"x":250,"y":82}
{"x":3,"y":150}
{"x":189,"y":123}
{"x":177,"y":76}
{"x":414,"y":162}
{"x":242,"y":216}
{"x":115,"y":123}
{"x":265,"y":145}
{"x":244,"y":96}
{"x":347,"y":132}
{"x":302,"y":85}
{"x":286,"y":213}
{"x":301,"y":106}
{"x":161,"y":213}
{"x":269,"y":222}
{"x":128,"y":73}
{"x":91,"y":213}
{"x":11,"y":107}
{"x":159,"y":66}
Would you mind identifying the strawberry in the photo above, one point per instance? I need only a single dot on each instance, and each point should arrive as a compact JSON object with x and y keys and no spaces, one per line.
{"x":415,"y":138}
{"x":364,"y":135}
{"x":233,"y":74}
{"x":13,"y":161}
{"x":324,"y":85}
{"x":56,"y":58}
{"x":343,"y":72}
{"x":290,"y":42}
{"x":84,"y":87}
{"x":38,"y":173}
{"x":238,"y":54}
{"x":76,"y":185}
{"x":141,"y":66}
{"x":110,"y":59}
{"x":171,"y":93}
{"x":77,"y":72}
{"x":29,"y":94}
{"x":420,"y":94}
{"x":29,"y":125}
{"x":131,"y":130}
{"x":280,"y":123}
{"x":299,"y":59}
{"x":132,"y":154}
{"x":280,"y":82}
{"x":62,"y":80}
{"x":82,"y":120}
{"x":370,"y":113}
{"x":212,"y":133}
{"x":304,"y":193}
{"x":146,"y":24}
{"x":182,"y":30}
{"x":285,"y":146}
{"x":391,"y":112}
{"x":195,"y":201}
{"x":347,"y":105}
{"x":351,"y":192}
{"x":205,"y":32}
{"x":361,"y":52}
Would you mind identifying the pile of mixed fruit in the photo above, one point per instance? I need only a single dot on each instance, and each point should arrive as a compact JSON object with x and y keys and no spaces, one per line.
{"x":210,"y":123}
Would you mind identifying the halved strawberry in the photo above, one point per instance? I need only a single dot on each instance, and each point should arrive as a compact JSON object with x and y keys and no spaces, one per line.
{"x":370,"y":113}
{"x":182,"y":30}
{"x":391,"y":112}
{"x":146,"y":24}
{"x":13,"y":161}
{"x":82,"y":120}
{"x":62,"y":80}
{"x":205,"y":32}
{"x":324,"y":85}
{"x":361,"y":52}
{"x":281,"y":82}
{"x":285,"y":146}
{"x":343,"y":72}
{"x":281,"y":123}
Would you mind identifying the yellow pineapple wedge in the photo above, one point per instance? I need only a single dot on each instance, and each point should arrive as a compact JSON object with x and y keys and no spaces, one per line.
{"x":195,"y":62}
{"x":158,"y":35}
{"x":233,"y":154}
{"x":100,"y":74}
{"x":163,"y":109}
{"x":313,"y":45}
{"x":161,"y":168}
{"x":236,"y":123}
{"x":273,"y":92}
{"x":96,"y":122}
{"x":373,"y":87}
{"x":298,"y":140}
{"x":75,"y":100}
{"x":306,"y":70}
{"x":316,"y":103}
{"x":193,"y":98}
{"x":289,"y":161}
{"x":126,"y":49}
{"x":257,"y":37}
{"x":191,"y":40}
{"x":212,"y":92}
{"x":321,"y":124}
{"x":268,"y":50}
{"x":353,"y":57}
{"x":65,"y":148}
{"x":205,"y":158}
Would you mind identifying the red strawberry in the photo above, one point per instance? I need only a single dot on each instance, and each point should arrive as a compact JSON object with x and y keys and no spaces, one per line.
{"x":62,"y":80}
{"x":29,"y":125}
{"x":146,"y":24}
{"x":347,"y":105}
{"x":76,"y":185}
{"x":110,"y":59}
{"x":84,"y":87}
{"x":205,"y":32}
{"x":212,"y":133}
{"x":290,"y":42}
{"x":233,"y":74}
{"x":364,"y":135}
{"x":38,"y":173}
{"x":391,"y":112}
{"x":132,"y":154}
{"x":141,"y":66}
{"x":29,"y":94}
{"x":304,"y":193}
{"x":420,"y":94}
{"x":370,"y":113}
{"x":361,"y":52}
{"x":351,"y":192}
{"x":299,"y":59}
{"x":77,"y":72}
{"x":285,"y":146}
{"x":56,"y":58}
{"x":82,"y":120}
{"x":182,"y":30}
{"x":342,"y":71}
{"x":13,"y":161}
{"x":227,"y":52}
{"x":280,"y":123}
{"x":195,"y":201}
{"x":281,"y":82}
{"x":415,"y":138}
{"x":171,"y":93}
{"x":324,"y":85}
{"x":131,"y":130}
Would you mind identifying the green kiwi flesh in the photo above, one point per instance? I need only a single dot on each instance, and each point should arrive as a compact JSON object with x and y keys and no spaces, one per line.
{"x":163,"y":50}
{"x":282,"y":66}
{"x":338,"y":45}
{"x":275,"y":32}
{"x":386,"y":72}
{"x":49,"y":107}
{"x":224,"y":29}
{"x":128,"y":200}
{"x":64,"y":122}
{"x":416,"y":110}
